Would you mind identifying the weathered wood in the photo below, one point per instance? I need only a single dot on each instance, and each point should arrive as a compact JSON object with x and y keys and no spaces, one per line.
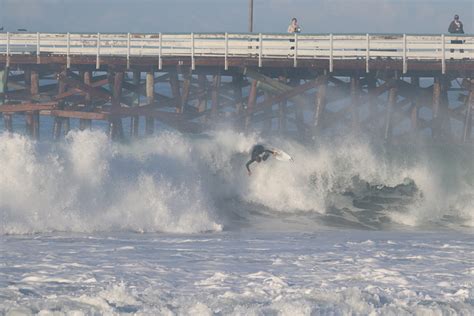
{"x":175,"y":90}
{"x":415,"y":81}
{"x":436,"y":129}
{"x":467,"y":130}
{"x":320,"y":103}
{"x":115,"y":123}
{"x":216,"y":83}
{"x":355,"y":101}
{"x":252,"y":99}
{"x":134,"y":122}
{"x":150,"y":94}
{"x":85,"y":123}
{"x":392,"y":100}
{"x":282,"y":110}
{"x":93,"y":91}
{"x":267,"y":112}
{"x":58,"y":120}
{"x":237,"y":84}
{"x":187,"y":77}
{"x":80,"y":115}
{"x":202,"y":99}
{"x":27,"y":107}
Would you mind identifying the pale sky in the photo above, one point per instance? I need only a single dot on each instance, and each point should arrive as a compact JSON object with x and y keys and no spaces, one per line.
{"x":273,"y":16}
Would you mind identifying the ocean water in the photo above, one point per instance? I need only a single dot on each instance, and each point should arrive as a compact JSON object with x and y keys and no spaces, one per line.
{"x":173,"y":225}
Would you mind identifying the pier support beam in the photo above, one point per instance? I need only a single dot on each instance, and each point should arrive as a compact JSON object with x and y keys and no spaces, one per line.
{"x":134,"y":120}
{"x":202,"y":99}
{"x":85,"y":123}
{"x":392,"y":101}
{"x":355,"y":102}
{"x":150,"y":95}
{"x":320,"y":104}
{"x":467,"y":130}
{"x":58,"y":120}
{"x":415,"y":82}
{"x":436,"y":123}
{"x":237,"y":83}
{"x":282,"y":111}
{"x":7,"y":117}
{"x":216,"y":84}
{"x":115,"y":122}
{"x":252,"y":100}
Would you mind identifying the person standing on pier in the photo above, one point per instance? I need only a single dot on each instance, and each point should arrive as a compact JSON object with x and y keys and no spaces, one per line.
{"x":456,"y":27}
{"x":294,"y":27}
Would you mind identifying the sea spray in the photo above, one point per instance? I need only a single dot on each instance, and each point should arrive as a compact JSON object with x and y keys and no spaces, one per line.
{"x":188,"y":184}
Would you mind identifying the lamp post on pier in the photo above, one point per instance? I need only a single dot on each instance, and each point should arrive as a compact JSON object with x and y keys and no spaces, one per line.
{"x":250,"y":16}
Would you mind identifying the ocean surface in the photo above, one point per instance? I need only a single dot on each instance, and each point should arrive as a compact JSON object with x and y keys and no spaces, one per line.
{"x":173,"y":225}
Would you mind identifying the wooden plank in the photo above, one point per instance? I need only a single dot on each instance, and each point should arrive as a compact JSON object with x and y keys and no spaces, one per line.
{"x":81,"y":115}
{"x":24,"y":107}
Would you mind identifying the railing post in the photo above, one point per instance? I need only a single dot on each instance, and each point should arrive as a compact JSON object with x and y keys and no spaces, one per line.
{"x":193,"y":65}
{"x":128,"y":50}
{"x":331,"y":65}
{"x":260,"y":38}
{"x":160,"y":46}
{"x":443,"y":54}
{"x":405,"y":53}
{"x":226,"y":65}
{"x":38,"y":48}
{"x":97,"y":63}
{"x":367,"y":53}
{"x":8,"y":50}
{"x":296,"y":50}
{"x":68,"y":50}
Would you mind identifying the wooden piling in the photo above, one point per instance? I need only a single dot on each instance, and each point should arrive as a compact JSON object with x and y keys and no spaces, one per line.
{"x":392,"y":100}
{"x":85,"y":123}
{"x":467,"y":130}
{"x":355,"y":101}
{"x":7,"y":117}
{"x":202,"y":98}
{"x":33,"y":117}
{"x":282,"y":111}
{"x":237,"y":82}
{"x":436,"y":106}
{"x":115,"y":121}
{"x":135,"y":120}
{"x":415,"y":82}
{"x":150,"y":95}
{"x":320,"y":103}
{"x":216,"y":83}
{"x":175,"y":91}
{"x":251,"y":103}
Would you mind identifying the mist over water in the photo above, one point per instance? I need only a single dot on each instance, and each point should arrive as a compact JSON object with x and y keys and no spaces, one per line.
{"x":190,"y":184}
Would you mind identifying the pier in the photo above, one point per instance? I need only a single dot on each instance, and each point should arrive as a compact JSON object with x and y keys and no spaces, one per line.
{"x":305,"y":84}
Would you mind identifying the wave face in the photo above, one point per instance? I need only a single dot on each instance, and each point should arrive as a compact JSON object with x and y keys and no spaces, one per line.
{"x":190,"y":184}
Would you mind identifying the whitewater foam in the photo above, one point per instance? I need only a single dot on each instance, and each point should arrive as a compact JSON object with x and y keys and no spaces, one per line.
{"x":177,"y":183}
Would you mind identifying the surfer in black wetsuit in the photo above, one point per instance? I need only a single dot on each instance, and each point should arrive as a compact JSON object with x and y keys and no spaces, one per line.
{"x":259,"y":153}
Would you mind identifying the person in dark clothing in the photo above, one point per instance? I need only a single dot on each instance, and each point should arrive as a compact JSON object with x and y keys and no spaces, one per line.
{"x":456,"y":27}
{"x":258,"y":154}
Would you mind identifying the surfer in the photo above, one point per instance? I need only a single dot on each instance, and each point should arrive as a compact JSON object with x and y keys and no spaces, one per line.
{"x":258,"y":154}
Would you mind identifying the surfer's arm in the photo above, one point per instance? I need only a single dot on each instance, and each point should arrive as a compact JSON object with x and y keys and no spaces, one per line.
{"x":270,"y":151}
{"x":247,"y":165}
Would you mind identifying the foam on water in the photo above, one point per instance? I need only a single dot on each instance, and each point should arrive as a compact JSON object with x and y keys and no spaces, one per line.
{"x":177,"y":183}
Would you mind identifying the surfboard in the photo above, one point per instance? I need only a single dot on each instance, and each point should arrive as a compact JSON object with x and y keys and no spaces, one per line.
{"x":282,"y":155}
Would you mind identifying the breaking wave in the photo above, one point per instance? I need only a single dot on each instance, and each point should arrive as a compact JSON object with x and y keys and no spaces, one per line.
{"x":190,"y":184}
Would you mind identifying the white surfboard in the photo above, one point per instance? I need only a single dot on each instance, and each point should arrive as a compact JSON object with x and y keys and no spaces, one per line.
{"x":282,"y":155}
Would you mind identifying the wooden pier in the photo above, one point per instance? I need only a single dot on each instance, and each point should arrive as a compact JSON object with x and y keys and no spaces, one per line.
{"x":309,"y":85}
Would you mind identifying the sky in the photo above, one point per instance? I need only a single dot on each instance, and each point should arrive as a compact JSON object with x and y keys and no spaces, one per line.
{"x":270,"y":16}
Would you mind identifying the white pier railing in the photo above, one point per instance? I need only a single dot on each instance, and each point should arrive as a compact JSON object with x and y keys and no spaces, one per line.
{"x":261,"y":46}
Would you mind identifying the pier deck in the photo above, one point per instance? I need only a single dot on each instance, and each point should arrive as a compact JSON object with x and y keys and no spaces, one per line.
{"x":252,"y":80}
